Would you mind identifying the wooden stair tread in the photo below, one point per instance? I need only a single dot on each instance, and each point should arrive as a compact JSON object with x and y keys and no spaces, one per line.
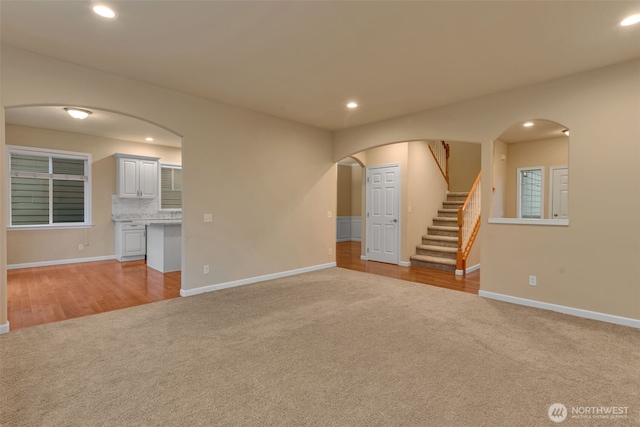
{"x":433,"y":259}
{"x":458,"y":193}
{"x":442,"y":228}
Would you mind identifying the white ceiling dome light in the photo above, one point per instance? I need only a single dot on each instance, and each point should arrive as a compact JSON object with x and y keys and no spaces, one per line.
{"x":78,"y":113}
{"x":630,"y":20}
{"x":104,"y":11}
{"x":352,"y":105}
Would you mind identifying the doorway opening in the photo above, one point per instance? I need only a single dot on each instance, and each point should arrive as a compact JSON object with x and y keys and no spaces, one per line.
{"x":65,"y":209}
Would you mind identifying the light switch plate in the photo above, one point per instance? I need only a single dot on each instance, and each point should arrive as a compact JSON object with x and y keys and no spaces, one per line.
{"x":208,"y":217}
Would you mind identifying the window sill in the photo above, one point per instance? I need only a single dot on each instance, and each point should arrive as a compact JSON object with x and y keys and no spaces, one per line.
{"x":47,"y":227}
{"x":520,"y":221}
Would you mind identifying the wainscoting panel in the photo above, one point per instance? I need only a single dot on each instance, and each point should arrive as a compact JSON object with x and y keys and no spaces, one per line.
{"x":348,"y":228}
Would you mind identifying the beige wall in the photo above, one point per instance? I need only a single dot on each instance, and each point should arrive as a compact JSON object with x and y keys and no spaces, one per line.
{"x":344,"y":190}
{"x":28,"y":246}
{"x":545,"y":153}
{"x":258,"y":217}
{"x":427,"y":191}
{"x":499,"y":179}
{"x":464,"y":164}
{"x":356,"y":190}
{"x":601,"y":108}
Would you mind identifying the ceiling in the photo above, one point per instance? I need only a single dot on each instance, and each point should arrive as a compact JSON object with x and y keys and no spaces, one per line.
{"x":541,"y":129}
{"x":100,"y":123}
{"x":303,"y":61}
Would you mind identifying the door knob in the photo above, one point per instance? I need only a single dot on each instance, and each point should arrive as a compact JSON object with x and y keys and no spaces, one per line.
{"x":394,"y":220}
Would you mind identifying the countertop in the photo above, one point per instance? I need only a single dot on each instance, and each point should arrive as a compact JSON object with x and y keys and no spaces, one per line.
{"x":150,"y":221}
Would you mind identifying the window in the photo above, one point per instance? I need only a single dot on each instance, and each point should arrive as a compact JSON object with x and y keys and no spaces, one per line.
{"x":48,"y":187}
{"x":530,"y":193}
{"x":170,"y":186}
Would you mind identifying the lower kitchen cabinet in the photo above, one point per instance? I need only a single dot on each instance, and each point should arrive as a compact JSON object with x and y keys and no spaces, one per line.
{"x":131,"y":241}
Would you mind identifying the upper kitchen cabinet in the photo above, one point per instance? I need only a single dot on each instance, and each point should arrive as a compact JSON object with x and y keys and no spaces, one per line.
{"x":137,"y":176}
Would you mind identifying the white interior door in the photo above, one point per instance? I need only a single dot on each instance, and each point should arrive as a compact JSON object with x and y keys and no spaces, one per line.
{"x":383,"y":214}
{"x":560,"y":193}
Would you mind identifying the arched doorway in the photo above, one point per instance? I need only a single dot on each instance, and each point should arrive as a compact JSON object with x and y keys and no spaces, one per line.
{"x":61,"y":233}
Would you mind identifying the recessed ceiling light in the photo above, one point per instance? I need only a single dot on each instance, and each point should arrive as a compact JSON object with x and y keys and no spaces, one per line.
{"x":630,"y":20}
{"x":352,"y":105}
{"x":104,"y":11}
{"x":566,"y":132}
{"x":148,"y":139}
{"x":528,"y":124}
{"x":78,"y":113}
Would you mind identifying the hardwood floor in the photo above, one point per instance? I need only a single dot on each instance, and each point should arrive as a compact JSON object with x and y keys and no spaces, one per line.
{"x":50,"y":294}
{"x":348,"y":256}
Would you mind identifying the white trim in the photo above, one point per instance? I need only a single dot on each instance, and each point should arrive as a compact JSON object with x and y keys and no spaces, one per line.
{"x":587,"y":314}
{"x":48,"y":152}
{"x":364,"y":258}
{"x":404,"y":263}
{"x":367,"y":187}
{"x":469,"y":270}
{"x":529,"y":221}
{"x":58,"y":226}
{"x":60,"y":262}
{"x":250,"y":280}
{"x":348,"y":164}
{"x":4,"y":329}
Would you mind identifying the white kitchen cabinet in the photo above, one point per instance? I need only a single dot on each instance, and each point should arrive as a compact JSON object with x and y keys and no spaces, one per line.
{"x":131,"y":241}
{"x":165,"y":246}
{"x":137,"y":176}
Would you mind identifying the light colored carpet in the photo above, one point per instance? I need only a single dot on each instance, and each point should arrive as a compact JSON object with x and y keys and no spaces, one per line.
{"x":329,"y":348}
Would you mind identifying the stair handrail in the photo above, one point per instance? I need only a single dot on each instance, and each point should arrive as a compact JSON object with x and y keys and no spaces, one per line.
{"x":468,"y":224}
{"x":440,"y":153}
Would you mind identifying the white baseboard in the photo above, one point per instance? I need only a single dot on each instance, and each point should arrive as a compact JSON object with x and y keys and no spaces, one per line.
{"x":404,"y":263}
{"x":250,"y":280}
{"x":469,"y":270}
{"x":59,"y":262}
{"x":4,"y":329}
{"x":364,"y":258}
{"x":603,"y":317}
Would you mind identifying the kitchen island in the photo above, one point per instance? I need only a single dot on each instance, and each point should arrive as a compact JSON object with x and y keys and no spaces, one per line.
{"x":164,"y":244}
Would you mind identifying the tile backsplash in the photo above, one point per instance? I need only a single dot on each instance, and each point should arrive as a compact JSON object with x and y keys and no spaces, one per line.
{"x":131,"y":209}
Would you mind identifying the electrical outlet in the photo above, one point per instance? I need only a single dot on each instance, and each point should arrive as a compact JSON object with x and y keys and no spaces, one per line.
{"x":208,"y":217}
{"x":330,"y":251}
{"x":206,"y":269}
{"x":533,"y":280}
{"x":329,"y":214}
{"x":80,"y":247}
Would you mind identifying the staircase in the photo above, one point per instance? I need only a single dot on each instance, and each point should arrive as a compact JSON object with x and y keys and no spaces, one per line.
{"x":440,"y":246}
